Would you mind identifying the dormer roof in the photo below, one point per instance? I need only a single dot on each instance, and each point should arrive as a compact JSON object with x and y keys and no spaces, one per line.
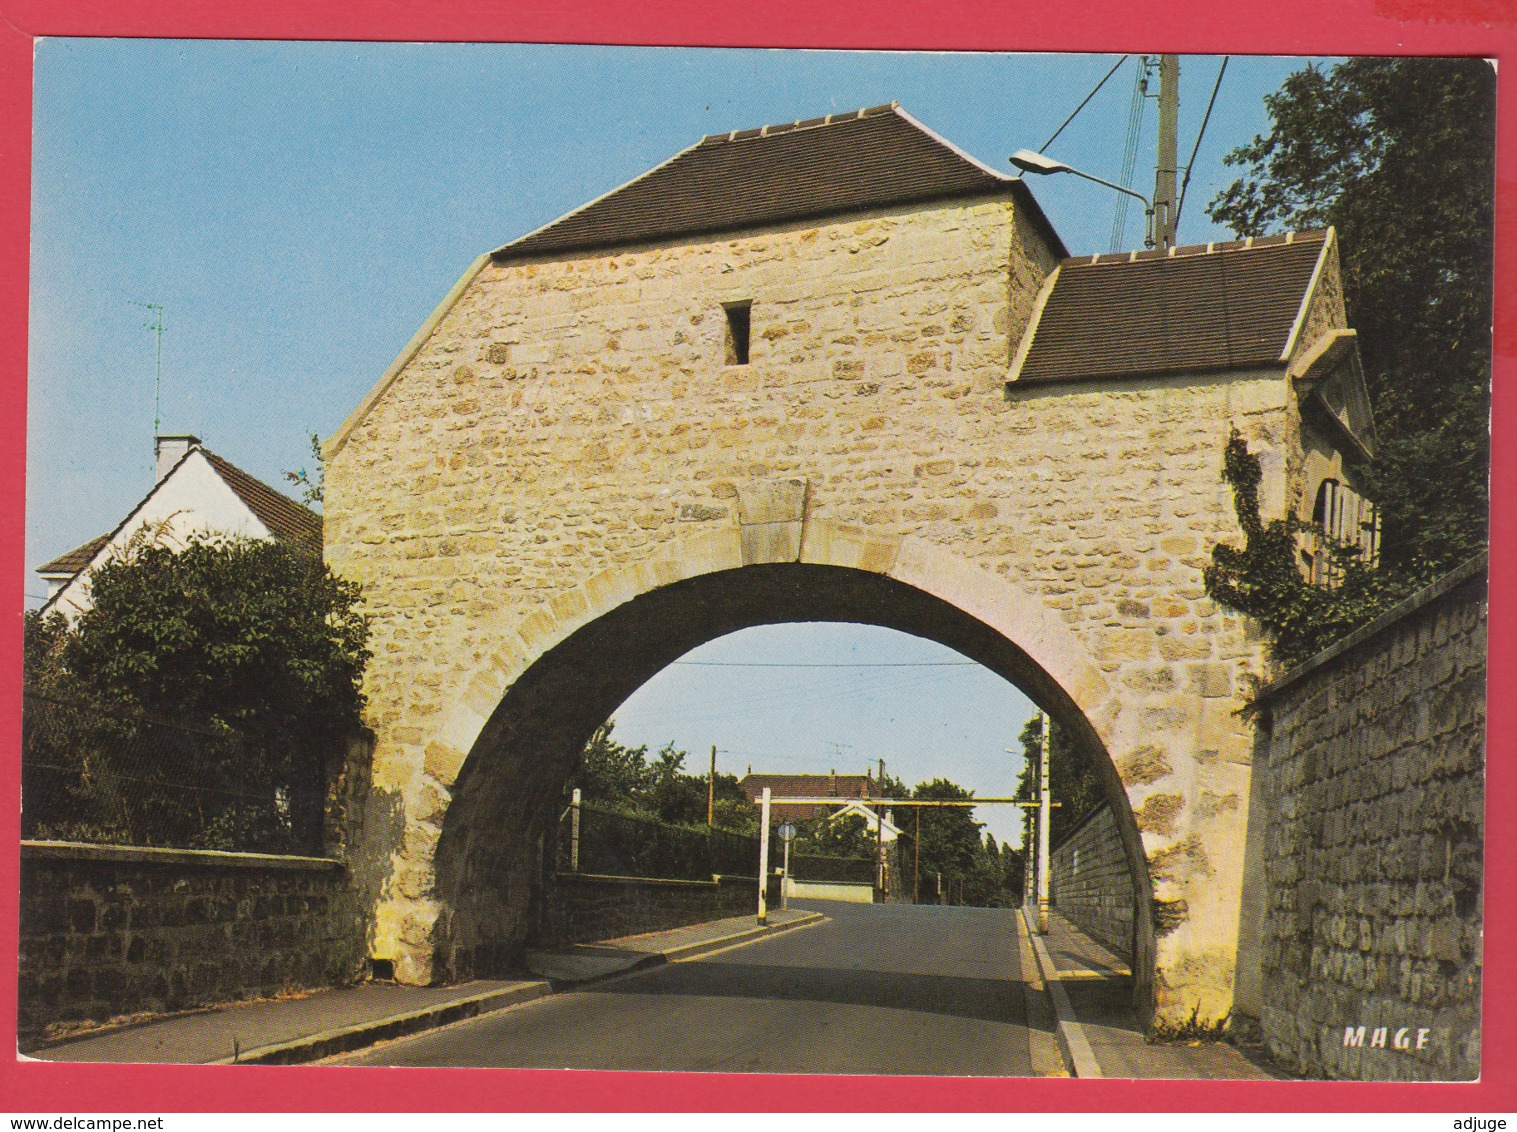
{"x":1204,"y":308}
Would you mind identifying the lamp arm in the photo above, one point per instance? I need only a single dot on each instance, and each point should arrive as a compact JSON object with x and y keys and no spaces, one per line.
{"x":1110,"y":185}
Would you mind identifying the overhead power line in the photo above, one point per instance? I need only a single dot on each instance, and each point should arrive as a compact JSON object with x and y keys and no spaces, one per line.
{"x":1185,"y":184}
{"x":1130,"y":151}
{"x":1054,"y":137}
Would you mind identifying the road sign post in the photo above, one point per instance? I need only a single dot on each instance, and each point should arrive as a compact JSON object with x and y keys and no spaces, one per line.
{"x":787,"y":835}
{"x":763,"y":877}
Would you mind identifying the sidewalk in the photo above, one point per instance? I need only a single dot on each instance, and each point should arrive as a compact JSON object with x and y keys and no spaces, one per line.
{"x":327,"y":1022}
{"x":577,"y":964}
{"x":1098,"y":1033}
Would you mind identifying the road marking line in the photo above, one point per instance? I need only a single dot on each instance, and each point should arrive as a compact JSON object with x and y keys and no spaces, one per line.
{"x":773,"y":930}
{"x":1043,"y":1045}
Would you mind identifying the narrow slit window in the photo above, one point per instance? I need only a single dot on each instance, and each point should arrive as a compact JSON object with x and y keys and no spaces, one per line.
{"x":737,"y":332}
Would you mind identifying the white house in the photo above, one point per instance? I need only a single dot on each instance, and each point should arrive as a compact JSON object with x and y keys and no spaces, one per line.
{"x":196,"y":492}
{"x":857,"y":806}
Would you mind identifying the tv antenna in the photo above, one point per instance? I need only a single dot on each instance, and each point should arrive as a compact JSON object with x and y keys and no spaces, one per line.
{"x":157,"y":327}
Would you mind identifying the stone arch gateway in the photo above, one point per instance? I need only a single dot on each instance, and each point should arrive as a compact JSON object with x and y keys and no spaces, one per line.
{"x":504,"y":768}
{"x":941,"y":423}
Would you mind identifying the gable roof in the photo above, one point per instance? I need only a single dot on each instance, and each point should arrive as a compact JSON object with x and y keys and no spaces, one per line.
{"x":1203,"y":308}
{"x":75,"y":560}
{"x":285,"y":520}
{"x":866,"y":159}
{"x":841,"y":786}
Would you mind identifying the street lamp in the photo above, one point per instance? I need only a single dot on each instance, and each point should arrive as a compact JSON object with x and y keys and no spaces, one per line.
{"x":1030,"y":162}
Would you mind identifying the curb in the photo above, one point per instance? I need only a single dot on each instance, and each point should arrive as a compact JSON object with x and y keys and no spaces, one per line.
{"x":346,"y":1039}
{"x":1071,"y":1035}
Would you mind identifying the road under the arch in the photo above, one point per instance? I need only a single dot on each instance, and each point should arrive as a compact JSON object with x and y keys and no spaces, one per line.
{"x":488,"y":860}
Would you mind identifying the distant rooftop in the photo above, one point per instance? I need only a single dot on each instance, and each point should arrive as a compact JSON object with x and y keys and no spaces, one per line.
{"x":842,"y":163}
{"x":1202,"y":308}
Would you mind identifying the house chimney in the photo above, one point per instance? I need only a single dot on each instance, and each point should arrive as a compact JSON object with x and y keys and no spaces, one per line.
{"x":172,"y":449}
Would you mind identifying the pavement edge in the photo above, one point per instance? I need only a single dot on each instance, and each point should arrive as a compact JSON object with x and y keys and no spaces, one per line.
{"x":348,"y":1039}
{"x":1071,"y":1035}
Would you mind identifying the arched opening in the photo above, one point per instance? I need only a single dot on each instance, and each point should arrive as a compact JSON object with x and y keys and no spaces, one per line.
{"x":507,"y":791}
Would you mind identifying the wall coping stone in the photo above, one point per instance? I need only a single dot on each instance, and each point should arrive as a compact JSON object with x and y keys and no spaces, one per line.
{"x":601,"y":878}
{"x":1091,"y":816}
{"x":1475,"y":568}
{"x":138,"y":854}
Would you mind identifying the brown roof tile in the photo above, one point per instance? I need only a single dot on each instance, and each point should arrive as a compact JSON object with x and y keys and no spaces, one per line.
{"x":841,"y":786}
{"x":76,"y":559}
{"x":842,"y":163}
{"x":1198,"y":310}
{"x":286,"y":520}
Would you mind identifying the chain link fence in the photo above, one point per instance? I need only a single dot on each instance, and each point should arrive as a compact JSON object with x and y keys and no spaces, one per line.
{"x":94,"y":775}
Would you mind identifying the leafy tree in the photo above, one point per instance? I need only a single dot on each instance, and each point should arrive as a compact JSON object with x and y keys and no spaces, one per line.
{"x":611,"y":774}
{"x":311,"y":485}
{"x":234,"y":638}
{"x":828,"y":835}
{"x":1072,"y":781}
{"x":951,"y":841}
{"x":1398,"y":154}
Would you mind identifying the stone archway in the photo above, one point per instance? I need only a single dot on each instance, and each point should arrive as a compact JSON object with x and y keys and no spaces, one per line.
{"x":455,"y":902}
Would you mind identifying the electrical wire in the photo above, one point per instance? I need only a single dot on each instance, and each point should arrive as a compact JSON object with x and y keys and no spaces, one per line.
{"x":1130,"y":152}
{"x":1185,"y":184}
{"x":1044,"y":147}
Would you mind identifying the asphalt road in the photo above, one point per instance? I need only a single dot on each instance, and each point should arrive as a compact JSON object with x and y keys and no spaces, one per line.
{"x":879,"y":989}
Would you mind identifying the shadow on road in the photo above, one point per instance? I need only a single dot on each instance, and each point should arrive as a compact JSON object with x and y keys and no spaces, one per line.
{"x":986,"y":1000}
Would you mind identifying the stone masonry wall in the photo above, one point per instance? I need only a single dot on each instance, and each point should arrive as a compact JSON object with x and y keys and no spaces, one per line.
{"x":1373,"y":847}
{"x":564,"y":418}
{"x":582,"y":908}
{"x":1091,"y":883}
{"x":113,"y":931}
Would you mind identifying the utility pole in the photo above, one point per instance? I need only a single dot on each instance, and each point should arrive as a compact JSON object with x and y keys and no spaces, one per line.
{"x":1167,"y":170}
{"x":879,"y":835}
{"x":916,"y":864}
{"x":711,"y":790}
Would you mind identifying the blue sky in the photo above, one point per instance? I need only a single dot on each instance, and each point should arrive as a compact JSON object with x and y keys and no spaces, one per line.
{"x":299,"y":209}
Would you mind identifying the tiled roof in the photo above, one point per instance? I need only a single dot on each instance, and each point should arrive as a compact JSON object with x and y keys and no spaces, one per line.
{"x":842,"y":163}
{"x":1202,"y":308}
{"x":810,"y":785}
{"x":76,"y":559}
{"x":286,"y":520}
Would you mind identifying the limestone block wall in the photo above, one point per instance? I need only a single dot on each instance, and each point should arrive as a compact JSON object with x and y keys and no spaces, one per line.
{"x":109,"y":931}
{"x":563,"y":421}
{"x":1372,"y":837}
{"x":1091,"y":883}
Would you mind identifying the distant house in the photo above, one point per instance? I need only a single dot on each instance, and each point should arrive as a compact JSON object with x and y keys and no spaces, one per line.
{"x":196,"y":492}
{"x":854,"y":790}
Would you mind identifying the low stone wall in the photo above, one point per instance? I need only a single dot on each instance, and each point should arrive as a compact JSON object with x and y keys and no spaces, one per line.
{"x":582,"y":907}
{"x":108,"y":931}
{"x":1372,"y":767}
{"x":1091,"y":883}
{"x":846,"y":891}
